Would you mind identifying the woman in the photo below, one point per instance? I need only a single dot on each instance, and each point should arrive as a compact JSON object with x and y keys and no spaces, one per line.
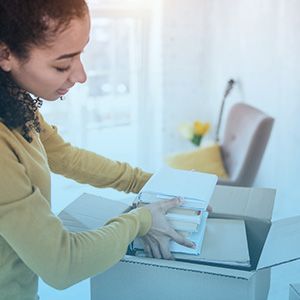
{"x":40,"y":46}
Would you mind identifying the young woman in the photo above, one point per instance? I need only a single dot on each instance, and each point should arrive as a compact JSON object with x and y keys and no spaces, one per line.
{"x":40,"y":46}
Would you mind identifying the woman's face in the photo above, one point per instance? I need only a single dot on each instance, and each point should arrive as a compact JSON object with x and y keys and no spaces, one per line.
{"x":52,"y":70}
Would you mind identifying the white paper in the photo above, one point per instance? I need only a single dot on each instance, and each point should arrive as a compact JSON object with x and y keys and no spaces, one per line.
{"x":195,"y":188}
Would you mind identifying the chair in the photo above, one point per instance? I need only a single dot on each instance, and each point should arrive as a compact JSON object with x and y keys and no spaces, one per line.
{"x":246,"y":136}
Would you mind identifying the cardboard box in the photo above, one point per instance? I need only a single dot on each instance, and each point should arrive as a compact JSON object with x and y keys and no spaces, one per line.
{"x":294,"y":291}
{"x":270,"y":243}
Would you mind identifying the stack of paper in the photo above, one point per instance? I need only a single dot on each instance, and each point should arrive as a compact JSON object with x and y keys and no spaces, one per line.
{"x":184,"y":220}
{"x":189,"y":219}
{"x":195,"y":188}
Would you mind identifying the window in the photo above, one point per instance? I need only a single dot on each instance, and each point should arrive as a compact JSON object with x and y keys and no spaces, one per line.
{"x":101,"y":115}
{"x":108,"y":113}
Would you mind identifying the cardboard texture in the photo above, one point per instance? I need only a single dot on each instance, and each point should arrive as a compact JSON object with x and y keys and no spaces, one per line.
{"x":145,"y":278}
{"x":134,"y":278}
{"x":160,"y":279}
{"x":294,"y":291}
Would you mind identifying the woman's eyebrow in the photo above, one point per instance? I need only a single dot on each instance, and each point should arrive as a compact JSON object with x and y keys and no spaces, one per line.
{"x":69,"y":55}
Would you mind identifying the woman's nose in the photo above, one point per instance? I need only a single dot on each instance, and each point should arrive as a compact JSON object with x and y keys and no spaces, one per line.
{"x":78,"y":74}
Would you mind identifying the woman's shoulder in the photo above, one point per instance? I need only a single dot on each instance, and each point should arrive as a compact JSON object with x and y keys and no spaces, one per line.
{"x":46,"y":129}
{"x":6,"y":134}
{"x":8,"y":144}
{"x":12,"y":140}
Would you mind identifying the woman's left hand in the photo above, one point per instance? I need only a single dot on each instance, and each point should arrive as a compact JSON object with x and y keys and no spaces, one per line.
{"x":157,"y":240}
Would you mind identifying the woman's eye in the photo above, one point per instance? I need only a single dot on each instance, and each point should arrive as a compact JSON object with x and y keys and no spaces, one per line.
{"x":59,"y":69}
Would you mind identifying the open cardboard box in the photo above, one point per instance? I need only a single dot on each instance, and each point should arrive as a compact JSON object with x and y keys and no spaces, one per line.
{"x":270,"y":243}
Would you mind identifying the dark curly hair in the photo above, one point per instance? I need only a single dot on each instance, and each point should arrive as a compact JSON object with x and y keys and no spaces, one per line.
{"x":23,"y":25}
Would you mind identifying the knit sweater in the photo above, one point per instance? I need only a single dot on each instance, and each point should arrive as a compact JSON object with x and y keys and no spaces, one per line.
{"x":33,"y":241}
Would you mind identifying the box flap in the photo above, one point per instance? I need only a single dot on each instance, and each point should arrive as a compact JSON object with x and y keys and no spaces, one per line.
{"x":295,"y":288}
{"x":243,"y":202}
{"x":282,"y":244}
{"x":90,"y":211}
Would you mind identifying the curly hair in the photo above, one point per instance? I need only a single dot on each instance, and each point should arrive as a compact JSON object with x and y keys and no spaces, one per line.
{"x":25,"y":24}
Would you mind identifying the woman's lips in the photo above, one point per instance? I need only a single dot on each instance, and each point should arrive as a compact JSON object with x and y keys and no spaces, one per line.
{"x":62,"y":91}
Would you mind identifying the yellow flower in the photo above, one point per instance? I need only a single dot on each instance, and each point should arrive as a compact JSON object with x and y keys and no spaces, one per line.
{"x":201,"y":128}
{"x":194,"y":131}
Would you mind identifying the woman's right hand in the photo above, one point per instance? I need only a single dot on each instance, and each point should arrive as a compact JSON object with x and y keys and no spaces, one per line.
{"x":157,"y":240}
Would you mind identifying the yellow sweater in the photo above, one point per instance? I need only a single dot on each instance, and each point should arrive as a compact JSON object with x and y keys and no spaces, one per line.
{"x":33,"y":241}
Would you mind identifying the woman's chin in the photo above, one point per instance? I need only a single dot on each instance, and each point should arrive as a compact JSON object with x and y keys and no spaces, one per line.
{"x":52,"y":98}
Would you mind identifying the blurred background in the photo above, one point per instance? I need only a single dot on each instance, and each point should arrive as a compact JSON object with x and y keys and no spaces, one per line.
{"x":154,"y":64}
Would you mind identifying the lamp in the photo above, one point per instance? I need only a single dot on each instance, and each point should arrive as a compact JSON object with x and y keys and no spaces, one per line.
{"x":228,"y":89}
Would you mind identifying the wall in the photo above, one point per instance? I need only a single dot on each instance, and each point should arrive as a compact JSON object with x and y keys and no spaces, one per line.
{"x":207,"y":42}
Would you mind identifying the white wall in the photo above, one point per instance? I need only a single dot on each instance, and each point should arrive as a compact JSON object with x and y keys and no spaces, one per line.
{"x":207,"y":42}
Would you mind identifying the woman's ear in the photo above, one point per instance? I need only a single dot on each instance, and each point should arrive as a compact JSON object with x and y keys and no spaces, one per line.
{"x":5,"y":58}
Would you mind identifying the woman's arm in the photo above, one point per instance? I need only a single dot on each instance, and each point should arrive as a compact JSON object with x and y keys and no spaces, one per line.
{"x":88,"y":167}
{"x":38,"y":237}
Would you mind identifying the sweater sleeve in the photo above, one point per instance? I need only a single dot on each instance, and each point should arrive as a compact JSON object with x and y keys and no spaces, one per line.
{"x":88,"y":167}
{"x":38,"y":237}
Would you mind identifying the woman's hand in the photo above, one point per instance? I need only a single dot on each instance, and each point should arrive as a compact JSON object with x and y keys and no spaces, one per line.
{"x":157,"y":240}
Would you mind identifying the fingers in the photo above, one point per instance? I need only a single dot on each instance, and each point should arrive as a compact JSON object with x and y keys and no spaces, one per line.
{"x":147,"y":249}
{"x":157,"y":249}
{"x":178,"y":238}
{"x":164,"y":250}
{"x":161,"y":249}
{"x":158,"y":238}
{"x":151,"y":247}
{"x":168,"y":204}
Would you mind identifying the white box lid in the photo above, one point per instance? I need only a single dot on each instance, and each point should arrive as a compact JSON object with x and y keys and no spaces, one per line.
{"x":282,"y":244}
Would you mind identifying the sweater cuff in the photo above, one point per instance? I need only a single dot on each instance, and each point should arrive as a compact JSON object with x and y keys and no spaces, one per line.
{"x":145,"y":219}
{"x":143,"y":178}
